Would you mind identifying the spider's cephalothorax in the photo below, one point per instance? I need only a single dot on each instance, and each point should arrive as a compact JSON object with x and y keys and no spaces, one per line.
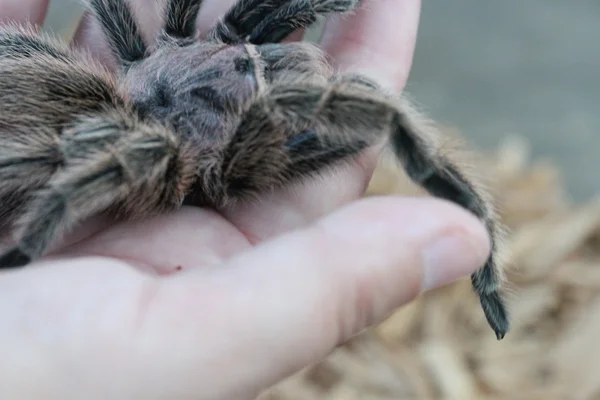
{"x":196,"y":121}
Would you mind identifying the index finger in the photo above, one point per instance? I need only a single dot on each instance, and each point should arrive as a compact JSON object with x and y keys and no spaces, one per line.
{"x":378,"y":40}
{"x":32,"y":11}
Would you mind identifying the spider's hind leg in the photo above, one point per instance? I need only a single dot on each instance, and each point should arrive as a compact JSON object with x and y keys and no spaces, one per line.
{"x":262,"y":21}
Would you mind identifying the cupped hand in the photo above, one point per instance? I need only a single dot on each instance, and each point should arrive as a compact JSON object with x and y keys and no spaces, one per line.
{"x":203,"y":305}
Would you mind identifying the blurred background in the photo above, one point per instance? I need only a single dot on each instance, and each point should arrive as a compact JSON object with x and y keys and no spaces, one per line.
{"x":491,"y":69}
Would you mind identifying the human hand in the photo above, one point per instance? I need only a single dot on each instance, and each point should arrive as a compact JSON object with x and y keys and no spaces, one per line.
{"x":109,"y":316}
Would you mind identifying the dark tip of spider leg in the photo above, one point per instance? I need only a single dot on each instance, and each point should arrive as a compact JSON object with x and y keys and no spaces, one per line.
{"x":495,"y":313}
{"x":444,"y":180}
{"x":14,"y":258}
{"x":485,"y":283}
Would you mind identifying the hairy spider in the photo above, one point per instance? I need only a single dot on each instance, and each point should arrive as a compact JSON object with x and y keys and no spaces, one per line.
{"x":196,"y":121}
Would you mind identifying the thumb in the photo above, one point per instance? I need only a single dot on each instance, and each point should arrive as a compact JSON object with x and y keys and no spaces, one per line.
{"x":289,"y":302}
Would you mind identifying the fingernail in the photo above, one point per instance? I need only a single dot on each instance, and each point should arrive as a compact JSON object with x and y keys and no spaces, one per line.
{"x":450,"y":258}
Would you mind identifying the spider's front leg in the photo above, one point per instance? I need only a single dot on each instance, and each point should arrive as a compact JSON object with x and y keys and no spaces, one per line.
{"x":297,"y":130}
{"x":123,"y":34}
{"x":24,"y":42}
{"x":120,"y":29}
{"x":180,"y":23}
{"x":271,"y":21}
{"x":112,"y":163}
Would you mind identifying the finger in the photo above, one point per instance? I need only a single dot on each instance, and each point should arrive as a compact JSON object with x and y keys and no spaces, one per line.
{"x":289,"y":302}
{"x":378,"y":40}
{"x":189,"y":238}
{"x":296,"y":36}
{"x":89,"y":36}
{"x":210,"y":11}
{"x":32,"y":11}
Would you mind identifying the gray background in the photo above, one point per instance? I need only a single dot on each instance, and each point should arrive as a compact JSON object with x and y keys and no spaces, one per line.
{"x":497,"y":68}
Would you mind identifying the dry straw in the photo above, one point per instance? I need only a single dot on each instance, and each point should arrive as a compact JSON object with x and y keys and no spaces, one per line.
{"x":440,"y":346}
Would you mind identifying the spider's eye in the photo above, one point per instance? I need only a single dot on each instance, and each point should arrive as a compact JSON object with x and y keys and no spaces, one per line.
{"x":243,"y":65}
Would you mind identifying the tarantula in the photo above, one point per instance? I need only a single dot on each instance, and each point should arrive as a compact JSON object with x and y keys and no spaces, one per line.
{"x":196,"y":121}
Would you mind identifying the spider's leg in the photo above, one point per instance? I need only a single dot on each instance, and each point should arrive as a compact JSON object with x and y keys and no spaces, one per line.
{"x":242,"y":18}
{"x":22,"y":41}
{"x":443,"y":178}
{"x":297,"y":14}
{"x":273,"y":21}
{"x":296,"y":130}
{"x":263,"y":155}
{"x":180,"y":24}
{"x":145,"y":172}
{"x":348,"y":116}
{"x":120,"y":29}
{"x":28,"y":156}
{"x":23,"y":168}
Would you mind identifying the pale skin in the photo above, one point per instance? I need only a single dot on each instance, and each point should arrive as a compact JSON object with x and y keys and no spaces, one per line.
{"x":262,"y":291}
